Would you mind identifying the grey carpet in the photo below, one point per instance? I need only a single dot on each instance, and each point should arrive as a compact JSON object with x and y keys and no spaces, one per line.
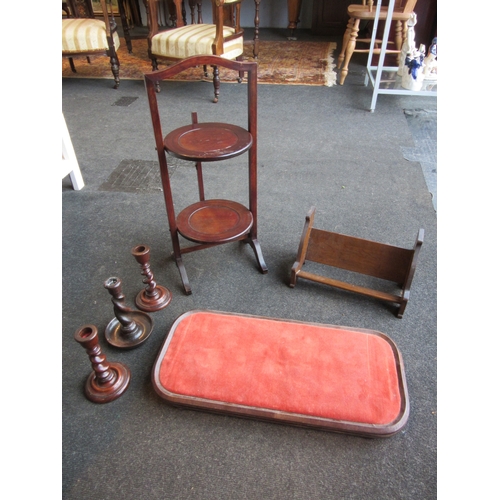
{"x":317,"y":146}
{"x":423,"y":126}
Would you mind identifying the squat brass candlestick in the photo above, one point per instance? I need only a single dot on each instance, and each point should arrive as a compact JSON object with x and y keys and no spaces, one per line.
{"x":154,"y":297}
{"x":129,"y":328}
{"x":107,"y":381}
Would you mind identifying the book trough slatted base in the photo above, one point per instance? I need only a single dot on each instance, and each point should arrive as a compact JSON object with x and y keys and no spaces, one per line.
{"x":370,"y":258}
{"x":306,"y":374}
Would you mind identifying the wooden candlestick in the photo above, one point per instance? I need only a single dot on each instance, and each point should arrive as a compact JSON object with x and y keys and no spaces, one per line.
{"x":129,"y":328}
{"x":154,"y":297}
{"x":107,"y":381}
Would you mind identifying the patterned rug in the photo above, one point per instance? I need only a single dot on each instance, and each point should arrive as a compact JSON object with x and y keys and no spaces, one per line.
{"x":281,"y":62}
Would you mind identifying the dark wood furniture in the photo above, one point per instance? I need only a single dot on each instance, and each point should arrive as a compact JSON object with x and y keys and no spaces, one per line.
{"x":128,"y":328}
{"x":293,"y":6}
{"x":361,"y":256}
{"x":107,"y":381}
{"x":329,"y":18}
{"x":325,"y":377}
{"x":215,"y":221}
{"x":224,"y":37}
{"x":154,"y":297}
{"x":92,"y":37}
{"x":167,"y":16}
{"x":65,"y":9}
{"x":123,"y":8}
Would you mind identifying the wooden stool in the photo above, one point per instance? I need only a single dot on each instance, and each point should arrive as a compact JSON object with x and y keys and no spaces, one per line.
{"x":321,"y":376}
{"x":361,"y":256}
{"x":216,"y":221}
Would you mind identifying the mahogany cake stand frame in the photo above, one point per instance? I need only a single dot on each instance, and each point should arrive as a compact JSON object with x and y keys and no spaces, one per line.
{"x":208,"y":222}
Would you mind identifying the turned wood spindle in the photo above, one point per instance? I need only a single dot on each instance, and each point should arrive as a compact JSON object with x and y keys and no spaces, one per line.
{"x":128,"y":328}
{"x":154,"y":297}
{"x":107,"y":381}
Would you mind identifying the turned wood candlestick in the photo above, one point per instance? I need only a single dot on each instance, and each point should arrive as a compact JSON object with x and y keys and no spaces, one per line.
{"x":107,"y":381}
{"x":154,"y":297}
{"x":129,"y":328}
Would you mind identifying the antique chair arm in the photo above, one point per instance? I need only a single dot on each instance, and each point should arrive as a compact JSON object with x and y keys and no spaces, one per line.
{"x":152,"y":16}
{"x":218,"y":45}
{"x":219,"y":19}
{"x":198,"y":5}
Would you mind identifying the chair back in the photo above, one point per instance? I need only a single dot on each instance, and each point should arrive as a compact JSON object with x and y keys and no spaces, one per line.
{"x":81,"y":8}
{"x":84,"y":9}
{"x":179,"y":17}
{"x":160,"y":13}
{"x":177,"y":11}
{"x":224,"y":13}
{"x":231,"y":13}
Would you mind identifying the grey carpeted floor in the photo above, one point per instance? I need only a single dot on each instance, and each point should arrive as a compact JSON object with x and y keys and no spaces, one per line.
{"x":317,"y":146}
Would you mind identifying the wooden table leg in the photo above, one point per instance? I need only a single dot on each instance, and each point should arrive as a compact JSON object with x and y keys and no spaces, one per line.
{"x":294,"y":7}
{"x":293,"y":15}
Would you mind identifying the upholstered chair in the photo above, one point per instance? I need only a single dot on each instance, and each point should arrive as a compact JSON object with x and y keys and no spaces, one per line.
{"x":224,"y":37}
{"x":84,"y":35}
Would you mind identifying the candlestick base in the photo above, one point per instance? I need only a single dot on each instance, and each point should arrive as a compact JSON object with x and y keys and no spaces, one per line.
{"x":152,"y":304}
{"x":117,"y":336}
{"x":105,"y":393}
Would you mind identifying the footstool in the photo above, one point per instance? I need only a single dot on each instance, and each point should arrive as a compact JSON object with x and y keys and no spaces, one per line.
{"x":307,"y":374}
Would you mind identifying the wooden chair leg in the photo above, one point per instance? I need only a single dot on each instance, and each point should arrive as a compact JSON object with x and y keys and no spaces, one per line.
{"x":154,"y":64}
{"x":241,"y":74}
{"x":398,"y":35}
{"x":405,"y":32}
{"x":345,"y":41}
{"x":351,"y":45}
{"x":216,"y":83}
{"x":125,"y":26}
{"x":115,"y":69}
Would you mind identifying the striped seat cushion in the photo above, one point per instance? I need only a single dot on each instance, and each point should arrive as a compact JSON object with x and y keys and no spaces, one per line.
{"x":85,"y":35}
{"x":195,"y":39}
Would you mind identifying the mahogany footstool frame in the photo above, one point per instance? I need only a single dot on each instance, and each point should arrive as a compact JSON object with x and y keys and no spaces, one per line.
{"x":325,"y":377}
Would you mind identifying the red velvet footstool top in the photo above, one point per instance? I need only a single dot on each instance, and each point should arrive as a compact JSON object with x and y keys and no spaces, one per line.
{"x":330,"y":377}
